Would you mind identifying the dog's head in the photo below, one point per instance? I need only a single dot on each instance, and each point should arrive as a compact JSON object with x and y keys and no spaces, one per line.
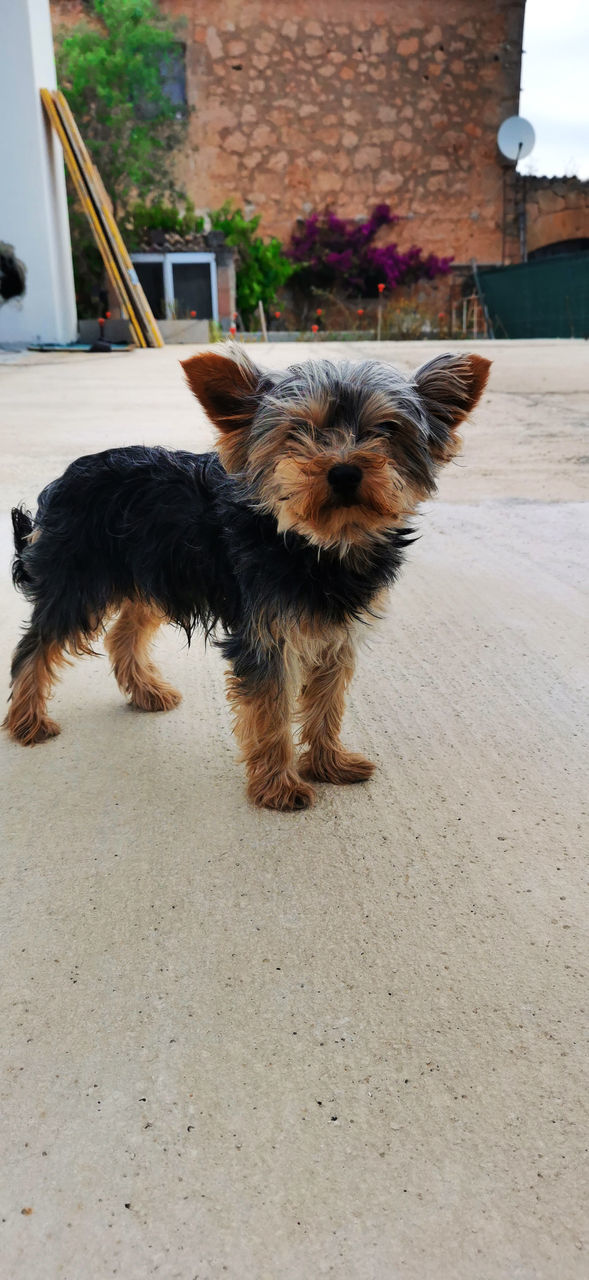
{"x":340,"y":453}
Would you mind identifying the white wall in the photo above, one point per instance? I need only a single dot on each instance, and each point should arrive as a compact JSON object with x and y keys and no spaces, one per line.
{"x":33,"y":208}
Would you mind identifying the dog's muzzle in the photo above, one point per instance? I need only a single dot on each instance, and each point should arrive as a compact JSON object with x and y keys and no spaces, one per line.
{"x":345,"y":481}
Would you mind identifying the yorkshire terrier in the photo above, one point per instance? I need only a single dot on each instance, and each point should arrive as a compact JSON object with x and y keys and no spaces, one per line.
{"x":284,"y":540}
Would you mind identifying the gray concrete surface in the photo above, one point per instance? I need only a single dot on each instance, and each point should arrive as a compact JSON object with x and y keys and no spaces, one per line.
{"x":349,"y":1042}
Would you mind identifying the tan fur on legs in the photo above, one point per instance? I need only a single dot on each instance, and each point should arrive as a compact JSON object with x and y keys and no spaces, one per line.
{"x":322,"y":701}
{"x":262,"y":728}
{"x":27,"y":720}
{"x":127,"y":645}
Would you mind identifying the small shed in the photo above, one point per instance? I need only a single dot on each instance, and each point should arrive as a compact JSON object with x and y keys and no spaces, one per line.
{"x":187,"y":278}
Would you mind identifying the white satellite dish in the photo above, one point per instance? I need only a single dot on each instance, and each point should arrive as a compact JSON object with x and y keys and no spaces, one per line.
{"x":515,"y":138}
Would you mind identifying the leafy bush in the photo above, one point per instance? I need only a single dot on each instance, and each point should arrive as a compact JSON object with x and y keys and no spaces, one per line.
{"x":117,"y":73}
{"x":340,"y":253}
{"x":261,"y":265}
{"x":159,"y":216}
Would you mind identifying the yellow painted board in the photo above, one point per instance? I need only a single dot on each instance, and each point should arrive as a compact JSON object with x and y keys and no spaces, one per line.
{"x":96,"y":204}
{"x":93,"y":175}
{"x":94,"y":181}
{"x":88,"y":207}
{"x":88,"y":174}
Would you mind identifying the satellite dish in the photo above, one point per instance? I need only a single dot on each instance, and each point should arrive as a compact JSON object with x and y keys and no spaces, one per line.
{"x":515,"y":138}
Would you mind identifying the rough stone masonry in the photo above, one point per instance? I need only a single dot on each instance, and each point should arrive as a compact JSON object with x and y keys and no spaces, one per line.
{"x":302,"y":105}
{"x":350,"y":102}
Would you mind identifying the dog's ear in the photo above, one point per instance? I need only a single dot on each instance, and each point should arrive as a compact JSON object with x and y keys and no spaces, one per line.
{"x":450,"y":386}
{"x":228,"y":387}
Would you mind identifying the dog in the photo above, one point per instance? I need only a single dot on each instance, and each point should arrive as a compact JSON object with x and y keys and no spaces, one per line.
{"x":280,"y":544}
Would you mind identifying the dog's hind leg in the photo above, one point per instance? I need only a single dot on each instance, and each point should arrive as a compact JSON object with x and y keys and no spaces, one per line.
{"x":34,"y":670}
{"x":128,"y":644}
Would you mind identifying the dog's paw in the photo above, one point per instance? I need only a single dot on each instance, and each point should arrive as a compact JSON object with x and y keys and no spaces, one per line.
{"x":156,"y":697}
{"x":286,"y":792}
{"x":32,"y":731}
{"x":335,"y":765}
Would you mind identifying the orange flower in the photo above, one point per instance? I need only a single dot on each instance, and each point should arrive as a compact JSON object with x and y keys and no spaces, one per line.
{"x":193,"y":314}
{"x":381,"y":288}
{"x":318,"y":312}
{"x":314,"y":328}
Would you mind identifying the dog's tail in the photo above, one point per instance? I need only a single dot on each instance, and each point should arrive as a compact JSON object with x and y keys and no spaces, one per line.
{"x":22,"y":525}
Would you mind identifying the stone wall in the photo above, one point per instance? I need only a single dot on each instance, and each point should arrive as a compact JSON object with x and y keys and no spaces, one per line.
{"x":351,"y":102}
{"x":556,"y":209}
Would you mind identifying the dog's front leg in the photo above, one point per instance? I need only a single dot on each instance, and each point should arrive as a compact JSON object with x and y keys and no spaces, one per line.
{"x":322,"y":701}
{"x":261,"y":690}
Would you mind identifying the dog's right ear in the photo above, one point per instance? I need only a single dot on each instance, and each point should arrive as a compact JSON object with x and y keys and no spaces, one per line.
{"x":228,"y":387}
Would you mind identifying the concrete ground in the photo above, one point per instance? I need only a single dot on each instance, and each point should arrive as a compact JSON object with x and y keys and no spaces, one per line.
{"x":348,"y":1042}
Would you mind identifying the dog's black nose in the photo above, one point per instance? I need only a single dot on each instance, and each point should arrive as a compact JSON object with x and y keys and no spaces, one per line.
{"x":344,"y":479}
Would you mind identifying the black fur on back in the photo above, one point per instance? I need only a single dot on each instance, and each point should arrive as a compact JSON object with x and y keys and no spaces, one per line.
{"x":22,"y":528}
{"x":174,"y":529}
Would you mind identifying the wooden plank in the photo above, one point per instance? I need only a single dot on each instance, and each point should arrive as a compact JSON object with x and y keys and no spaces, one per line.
{"x":101,"y":202}
{"x":96,"y":204}
{"x":90,"y":211}
{"x":118,"y":246}
{"x":89,"y":204}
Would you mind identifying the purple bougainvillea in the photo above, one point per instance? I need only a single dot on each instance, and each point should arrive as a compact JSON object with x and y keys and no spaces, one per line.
{"x":339,"y":253}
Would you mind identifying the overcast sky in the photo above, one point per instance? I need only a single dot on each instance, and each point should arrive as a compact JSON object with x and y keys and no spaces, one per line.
{"x":555,"y":86}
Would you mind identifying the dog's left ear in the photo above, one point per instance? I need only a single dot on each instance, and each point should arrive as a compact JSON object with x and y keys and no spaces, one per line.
{"x":450,"y":386}
{"x":228,"y":387}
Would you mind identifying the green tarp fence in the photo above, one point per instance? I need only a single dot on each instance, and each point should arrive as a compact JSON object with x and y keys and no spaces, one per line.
{"x":548,"y":298}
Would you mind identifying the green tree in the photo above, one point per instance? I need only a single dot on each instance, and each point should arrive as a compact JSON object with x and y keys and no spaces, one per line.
{"x":261,"y":266}
{"x":120,"y":73}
